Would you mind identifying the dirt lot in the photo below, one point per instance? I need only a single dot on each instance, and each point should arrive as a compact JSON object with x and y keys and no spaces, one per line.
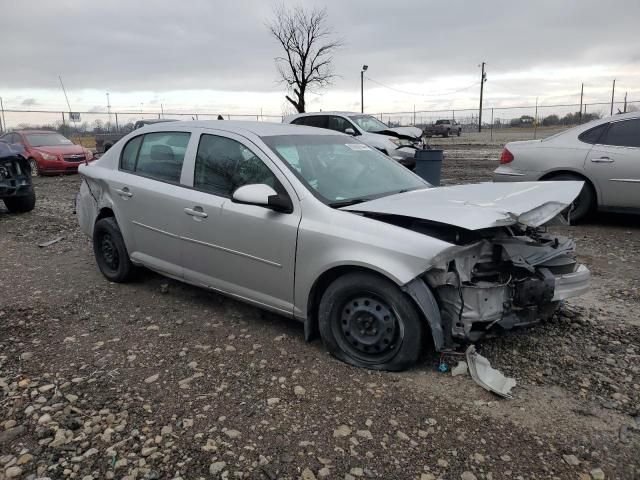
{"x":155,"y":379}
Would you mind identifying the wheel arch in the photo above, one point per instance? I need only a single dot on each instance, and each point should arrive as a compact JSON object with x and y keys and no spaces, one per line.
{"x":577,"y":173}
{"x":417,"y":290}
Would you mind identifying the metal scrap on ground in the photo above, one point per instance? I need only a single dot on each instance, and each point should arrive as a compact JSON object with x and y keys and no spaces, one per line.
{"x":50,"y":242}
{"x":487,"y":377}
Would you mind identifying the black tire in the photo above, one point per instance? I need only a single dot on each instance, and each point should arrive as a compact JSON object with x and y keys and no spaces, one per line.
{"x":35,"y":170}
{"x":110,"y":251}
{"x":21,"y":204}
{"x":365,"y":320}
{"x":445,"y":134}
{"x":584,"y":204}
{"x":459,"y":132}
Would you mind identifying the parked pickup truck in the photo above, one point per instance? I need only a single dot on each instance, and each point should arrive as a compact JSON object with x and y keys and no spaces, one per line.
{"x":444,"y":128}
{"x":104,"y":141}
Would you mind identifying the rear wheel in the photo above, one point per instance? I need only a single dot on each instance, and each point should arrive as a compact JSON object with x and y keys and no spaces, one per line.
{"x":110,"y":251}
{"x":21,"y":204}
{"x":366,"y":321}
{"x":585,"y":202}
{"x":35,"y":170}
{"x":459,"y":132}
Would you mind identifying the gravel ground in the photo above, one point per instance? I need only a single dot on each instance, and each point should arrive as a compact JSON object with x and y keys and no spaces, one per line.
{"x":156,"y":379}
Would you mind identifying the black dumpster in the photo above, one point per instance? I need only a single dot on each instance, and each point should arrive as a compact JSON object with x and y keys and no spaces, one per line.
{"x":429,"y":164}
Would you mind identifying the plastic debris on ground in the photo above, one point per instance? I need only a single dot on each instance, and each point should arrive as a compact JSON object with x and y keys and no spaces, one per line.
{"x":487,"y":377}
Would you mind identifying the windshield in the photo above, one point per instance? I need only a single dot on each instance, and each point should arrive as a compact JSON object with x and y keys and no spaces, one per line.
{"x":369,"y":123}
{"x":47,"y":139}
{"x":442,"y":122}
{"x":340,"y":170}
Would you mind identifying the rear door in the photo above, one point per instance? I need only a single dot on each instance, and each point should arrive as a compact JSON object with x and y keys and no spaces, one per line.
{"x":147,"y":195}
{"x":614,"y":163}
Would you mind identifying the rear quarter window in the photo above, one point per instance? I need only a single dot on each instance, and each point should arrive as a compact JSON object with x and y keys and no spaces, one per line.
{"x":593,"y":135}
{"x":129,"y":154}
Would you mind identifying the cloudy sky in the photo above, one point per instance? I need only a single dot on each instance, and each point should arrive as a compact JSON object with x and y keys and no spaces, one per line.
{"x":217,"y":56}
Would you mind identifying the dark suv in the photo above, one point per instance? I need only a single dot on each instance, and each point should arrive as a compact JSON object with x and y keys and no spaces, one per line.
{"x":16,"y":189}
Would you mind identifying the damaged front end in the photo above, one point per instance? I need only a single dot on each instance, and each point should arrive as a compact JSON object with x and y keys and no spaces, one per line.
{"x":509,"y":277}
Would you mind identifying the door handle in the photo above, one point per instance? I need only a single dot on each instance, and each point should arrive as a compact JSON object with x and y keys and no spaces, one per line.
{"x":124,"y":192}
{"x":602,"y":160}
{"x":196,"y":212}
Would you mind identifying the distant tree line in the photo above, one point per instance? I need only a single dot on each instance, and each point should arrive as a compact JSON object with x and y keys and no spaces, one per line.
{"x":569,"y":119}
{"x":74,"y":129}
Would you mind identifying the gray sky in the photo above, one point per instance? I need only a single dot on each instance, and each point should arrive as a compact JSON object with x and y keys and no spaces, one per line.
{"x":207,"y":54}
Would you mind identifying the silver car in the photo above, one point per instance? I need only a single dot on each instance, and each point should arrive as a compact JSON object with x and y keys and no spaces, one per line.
{"x":318,"y":226}
{"x":604,"y":154}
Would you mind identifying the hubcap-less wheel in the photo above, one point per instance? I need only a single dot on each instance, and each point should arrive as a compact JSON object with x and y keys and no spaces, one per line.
{"x":109,"y":252}
{"x":369,"y":329}
{"x":34,"y":167}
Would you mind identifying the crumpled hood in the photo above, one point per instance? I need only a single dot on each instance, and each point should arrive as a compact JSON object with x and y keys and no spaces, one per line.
{"x":409,"y":133}
{"x":481,"y":205}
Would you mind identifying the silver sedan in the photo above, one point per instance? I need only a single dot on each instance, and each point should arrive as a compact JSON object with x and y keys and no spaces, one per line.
{"x":605,"y":154}
{"x":318,"y":226}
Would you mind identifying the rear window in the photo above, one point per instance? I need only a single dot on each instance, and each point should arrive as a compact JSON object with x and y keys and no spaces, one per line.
{"x":157,"y":155}
{"x":625,"y":133}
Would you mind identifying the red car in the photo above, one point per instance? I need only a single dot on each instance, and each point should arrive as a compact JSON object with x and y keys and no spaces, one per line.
{"x":49,"y":152}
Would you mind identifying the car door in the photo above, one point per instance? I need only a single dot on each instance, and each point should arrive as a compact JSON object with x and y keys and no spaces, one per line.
{"x":243,"y":250}
{"x":147,"y":196}
{"x":614,"y":163}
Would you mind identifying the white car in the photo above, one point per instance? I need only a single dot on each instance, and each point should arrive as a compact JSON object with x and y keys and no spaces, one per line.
{"x":399,"y":143}
{"x":605,"y":154}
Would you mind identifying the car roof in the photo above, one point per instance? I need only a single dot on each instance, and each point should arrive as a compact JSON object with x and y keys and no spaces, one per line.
{"x":242,"y":127}
{"x":334,"y":112}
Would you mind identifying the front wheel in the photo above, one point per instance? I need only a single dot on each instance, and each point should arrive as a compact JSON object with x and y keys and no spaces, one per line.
{"x":445,"y":134}
{"x":459,"y":132}
{"x":35,"y":170}
{"x":367,"y":321}
{"x":110,"y":251}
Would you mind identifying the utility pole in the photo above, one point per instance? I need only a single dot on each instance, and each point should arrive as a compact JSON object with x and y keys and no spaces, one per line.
{"x":162,"y":110}
{"x":581,"y":95}
{"x":109,"y":110}
{"x":625,"y":102}
{"x":364,"y":69}
{"x":483,"y":79}
{"x":613,"y":93}
{"x":3,"y":124}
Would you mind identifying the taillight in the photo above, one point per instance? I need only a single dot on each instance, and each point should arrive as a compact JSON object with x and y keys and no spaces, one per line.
{"x":506,"y":157}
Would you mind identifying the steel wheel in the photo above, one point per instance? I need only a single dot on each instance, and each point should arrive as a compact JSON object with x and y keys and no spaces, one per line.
{"x":369,"y":330}
{"x":109,"y":252}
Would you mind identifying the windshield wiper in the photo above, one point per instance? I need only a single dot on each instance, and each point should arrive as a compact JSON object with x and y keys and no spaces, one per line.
{"x":347,"y":203}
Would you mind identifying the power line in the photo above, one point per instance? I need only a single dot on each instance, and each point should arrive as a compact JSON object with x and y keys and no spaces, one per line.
{"x":421,"y":94}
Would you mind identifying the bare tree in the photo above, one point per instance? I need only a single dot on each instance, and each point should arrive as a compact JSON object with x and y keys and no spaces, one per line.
{"x":308,"y":50}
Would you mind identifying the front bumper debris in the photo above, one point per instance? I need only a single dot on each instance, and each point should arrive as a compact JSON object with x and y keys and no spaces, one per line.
{"x":498,"y":284}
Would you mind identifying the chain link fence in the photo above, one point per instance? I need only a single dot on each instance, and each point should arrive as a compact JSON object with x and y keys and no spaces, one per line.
{"x":499,"y":124}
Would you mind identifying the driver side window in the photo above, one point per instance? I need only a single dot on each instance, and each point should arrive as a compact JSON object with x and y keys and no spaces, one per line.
{"x":339,"y":124}
{"x":224,"y":164}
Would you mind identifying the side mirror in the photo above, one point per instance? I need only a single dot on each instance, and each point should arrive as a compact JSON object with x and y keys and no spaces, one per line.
{"x":264,"y":196}
{"x":350,"y":131}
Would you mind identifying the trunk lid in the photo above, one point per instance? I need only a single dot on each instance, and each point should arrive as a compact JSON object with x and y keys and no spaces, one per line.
{"x":481,"y":205}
